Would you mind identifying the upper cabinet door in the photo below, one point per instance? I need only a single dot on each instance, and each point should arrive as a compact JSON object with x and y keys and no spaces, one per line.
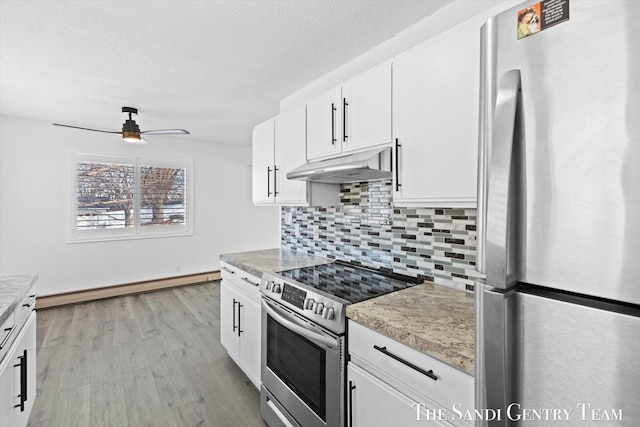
{"x":263,"y":162}
{"x":324,"y":122}
{"x":290,"y":152}
{"x":435,"y":120}
{"x":366,"y":109}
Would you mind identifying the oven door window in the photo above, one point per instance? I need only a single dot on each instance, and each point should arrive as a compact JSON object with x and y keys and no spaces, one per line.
{"x":299,"y":363}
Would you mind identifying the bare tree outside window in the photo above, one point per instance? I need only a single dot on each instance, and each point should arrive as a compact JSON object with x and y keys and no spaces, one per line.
{"x":162,"y":198}
{"x":130,"y":195}
{"x":104,"y":195}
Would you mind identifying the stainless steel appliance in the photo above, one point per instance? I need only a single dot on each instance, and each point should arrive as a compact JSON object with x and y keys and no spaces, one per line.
{"x":303,"y":339}
{"x":558,"y":319}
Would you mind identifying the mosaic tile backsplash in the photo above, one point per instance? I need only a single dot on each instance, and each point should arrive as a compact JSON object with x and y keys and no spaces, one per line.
{"x":438,"y":244}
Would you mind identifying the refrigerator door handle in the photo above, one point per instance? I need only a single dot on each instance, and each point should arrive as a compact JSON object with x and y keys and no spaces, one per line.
{"x":501,"y":205}
{"x":493,"y":383}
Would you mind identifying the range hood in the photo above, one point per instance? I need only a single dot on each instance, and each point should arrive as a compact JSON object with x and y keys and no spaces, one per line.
{"x":364,"y":166}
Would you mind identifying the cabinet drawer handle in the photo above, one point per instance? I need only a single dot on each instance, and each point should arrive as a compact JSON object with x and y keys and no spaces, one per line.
{"x":6,"y":338}
{"x":33,"y":299}
{"x":428,"y":373}
{"x":228,"y":270}
{"x":249,"y":281}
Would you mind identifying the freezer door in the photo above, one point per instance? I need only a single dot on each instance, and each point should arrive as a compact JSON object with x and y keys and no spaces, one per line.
{"x":575,"y":153}
{"x":566,"y":359}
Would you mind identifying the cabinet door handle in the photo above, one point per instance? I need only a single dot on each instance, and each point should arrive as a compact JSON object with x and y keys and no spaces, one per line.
{"x":228,"y":270}
{"x":234,"y":315}
{"x":268,"y":183}
{"x":428,"y":373}
{"x":6,"y":337}
{"x":351,"y":388}
{"x":23,"y":380}
{"x":333,"y":124}
{"x":239,"y":319}
{"x":275,"y":176}
{"x":345,"y":104}
{"x":398,"y":185}
{"x":31,"y":301}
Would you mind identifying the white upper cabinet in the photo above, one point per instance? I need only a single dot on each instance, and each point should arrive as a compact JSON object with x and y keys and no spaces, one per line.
{"x":324,"y":124}
{"x":435,"y":120}
{"x":279,"y":146}
{"x":366,"y":109}
{"x":351,"y":117}
{"x":263,"y":161}
{"x":290,"y":152}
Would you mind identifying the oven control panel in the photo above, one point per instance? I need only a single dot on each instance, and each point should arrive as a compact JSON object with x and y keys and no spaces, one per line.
{"x":294,"y":296}
{"x":313,"y":306}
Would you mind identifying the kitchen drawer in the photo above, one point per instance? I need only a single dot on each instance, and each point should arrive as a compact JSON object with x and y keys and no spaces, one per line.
{"x":25,"y":307}
{"x":8,"y":332}
{"x":375,"y":353}
{"x":245,"y":282}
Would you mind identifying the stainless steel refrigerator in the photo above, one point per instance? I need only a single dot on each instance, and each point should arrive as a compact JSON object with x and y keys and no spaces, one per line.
{"x":558,"y":315}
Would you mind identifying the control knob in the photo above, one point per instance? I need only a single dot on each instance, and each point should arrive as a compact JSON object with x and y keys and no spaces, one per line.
{"x":317,"y":308}
{"x":269,"y":285}
{"x":308,"y":304}
{"x":328,"y":313}
{"x":276,"y":288}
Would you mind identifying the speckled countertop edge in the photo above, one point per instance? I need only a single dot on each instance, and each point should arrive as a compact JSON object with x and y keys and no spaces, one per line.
{"x":12,"y":290}
{"x":434,"y":319}
{"x":272,"y":260}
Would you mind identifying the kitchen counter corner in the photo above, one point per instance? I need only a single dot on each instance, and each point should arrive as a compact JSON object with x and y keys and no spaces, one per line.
{"x":12,"y":290}
{"x":272,"y":260}
{"x":434,"y":319}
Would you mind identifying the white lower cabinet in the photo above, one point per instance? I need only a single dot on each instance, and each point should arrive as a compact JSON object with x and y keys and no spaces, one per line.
{"x":240,"y":319}
{"x":389,"y":383}
{"x":18,"y":377}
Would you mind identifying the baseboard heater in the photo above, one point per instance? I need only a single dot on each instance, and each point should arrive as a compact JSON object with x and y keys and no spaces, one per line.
{"x":54,"y":300}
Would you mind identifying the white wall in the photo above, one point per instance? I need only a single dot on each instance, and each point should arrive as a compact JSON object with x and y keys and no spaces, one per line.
{"x":34,"y":210}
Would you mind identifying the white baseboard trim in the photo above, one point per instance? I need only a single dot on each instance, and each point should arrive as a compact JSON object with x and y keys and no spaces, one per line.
{"x":55,"y":300}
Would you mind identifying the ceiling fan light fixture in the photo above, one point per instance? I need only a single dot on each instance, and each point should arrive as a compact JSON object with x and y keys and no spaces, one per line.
{"x":131,"y":137}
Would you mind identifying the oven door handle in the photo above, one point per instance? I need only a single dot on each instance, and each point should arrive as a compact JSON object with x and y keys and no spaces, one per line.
{"x":296,"y":327}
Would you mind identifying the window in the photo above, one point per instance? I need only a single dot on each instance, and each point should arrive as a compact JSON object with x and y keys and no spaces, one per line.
{"x":117,"y":197}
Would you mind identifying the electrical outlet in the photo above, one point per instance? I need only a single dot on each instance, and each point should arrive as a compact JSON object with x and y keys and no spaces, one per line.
{"x":316,"y":232}
{"x":297,"y":230}
{"x":288,"y":218}
{"x":178,"y":268}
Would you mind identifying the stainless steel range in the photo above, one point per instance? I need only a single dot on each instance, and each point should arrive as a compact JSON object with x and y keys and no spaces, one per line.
{"x":303,"y":332}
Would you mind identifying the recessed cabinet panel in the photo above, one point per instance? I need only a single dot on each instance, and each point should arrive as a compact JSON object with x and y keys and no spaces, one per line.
{"x":435,"y":120}
{"x":366,"y":109}
{"x":290,"y":152}
{"x":324,"y":124}
{"x":263,"y":162}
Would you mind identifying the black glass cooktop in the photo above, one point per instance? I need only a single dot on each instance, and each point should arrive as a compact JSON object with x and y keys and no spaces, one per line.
{"x":350,"y":282}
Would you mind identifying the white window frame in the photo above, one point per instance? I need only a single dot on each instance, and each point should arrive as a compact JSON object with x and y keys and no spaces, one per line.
{"x":137,"y":231}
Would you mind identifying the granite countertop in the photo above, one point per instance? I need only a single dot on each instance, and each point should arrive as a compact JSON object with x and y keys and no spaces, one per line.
{"x":12,"y":290}
{"x":257,"y":262}
{"x":434,"y":319}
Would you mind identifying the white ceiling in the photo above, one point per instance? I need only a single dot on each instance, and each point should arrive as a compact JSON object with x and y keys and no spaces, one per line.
{"x":215,"y":68}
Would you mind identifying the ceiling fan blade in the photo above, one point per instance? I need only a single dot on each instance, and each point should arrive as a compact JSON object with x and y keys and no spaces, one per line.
{"x":165,"y":132}
{"x":93,"y":130}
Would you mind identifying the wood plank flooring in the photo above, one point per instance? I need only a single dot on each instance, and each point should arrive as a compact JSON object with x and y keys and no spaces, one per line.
{"x":152,"y":359}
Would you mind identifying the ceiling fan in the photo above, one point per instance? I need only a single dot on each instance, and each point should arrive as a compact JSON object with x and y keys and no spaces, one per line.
{"x":131,"y":131}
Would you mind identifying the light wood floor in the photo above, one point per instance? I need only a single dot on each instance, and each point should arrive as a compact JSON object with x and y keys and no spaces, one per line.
{"x":153,"y":359}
